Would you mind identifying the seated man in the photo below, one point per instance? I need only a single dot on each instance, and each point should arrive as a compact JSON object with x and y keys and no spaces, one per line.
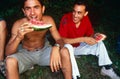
{"x":2,"y":44}
{"x":35,"y":47}
{"x":76,"y":29}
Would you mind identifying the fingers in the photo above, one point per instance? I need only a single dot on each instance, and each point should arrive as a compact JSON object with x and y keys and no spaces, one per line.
{"x":91,"y":41}
{"x":25,"y":27}
{"x":55,"y":66}
{"x":22,"y":29}
{"x":25,"y":24}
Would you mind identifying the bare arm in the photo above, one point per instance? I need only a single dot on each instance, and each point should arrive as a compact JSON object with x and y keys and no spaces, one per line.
{"x":55,"y":59}
{"x":56,"y":34}
{"x":88,"y":40}
{"x":17,"y":36}
{"x":13,"y":42}
{"x":2,"y":38}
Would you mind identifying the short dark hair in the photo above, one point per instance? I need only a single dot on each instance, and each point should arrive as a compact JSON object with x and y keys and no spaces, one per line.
{"x":23,"y":2}
{"x":81,"y":2}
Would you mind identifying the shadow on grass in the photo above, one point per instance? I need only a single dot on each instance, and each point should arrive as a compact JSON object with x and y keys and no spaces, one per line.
{"x":88,"y":68}
{"x":40,"y":72}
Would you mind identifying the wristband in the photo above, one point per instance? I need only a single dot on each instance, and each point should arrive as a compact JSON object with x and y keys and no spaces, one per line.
{"x":57,"y":45}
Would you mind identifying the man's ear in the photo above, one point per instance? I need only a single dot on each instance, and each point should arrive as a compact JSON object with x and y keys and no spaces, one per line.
{"x":43,"y":9}
{"x":23,"y":11}
{"x":86,"y":13}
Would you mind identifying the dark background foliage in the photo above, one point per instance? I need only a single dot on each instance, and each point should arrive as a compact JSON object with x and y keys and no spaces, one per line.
{"x":100,"y":11}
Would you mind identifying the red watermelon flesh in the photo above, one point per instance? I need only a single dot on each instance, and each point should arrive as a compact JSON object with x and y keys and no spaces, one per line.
{"x":99,"y":37}
{"x":39,"y":25}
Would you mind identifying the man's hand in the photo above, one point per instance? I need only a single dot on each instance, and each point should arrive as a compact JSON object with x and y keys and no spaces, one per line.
{"x":25,"y":28}
{"x":90,"y":40}
{"x":55,"y":59}
{"x":99,"y":37}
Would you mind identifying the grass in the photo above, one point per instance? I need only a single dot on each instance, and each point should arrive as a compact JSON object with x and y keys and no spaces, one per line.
{"x":88,"y":67}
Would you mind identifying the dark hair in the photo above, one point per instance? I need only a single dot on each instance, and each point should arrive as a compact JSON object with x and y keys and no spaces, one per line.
{"x":81,"y":2}
{"x":23,"y":2}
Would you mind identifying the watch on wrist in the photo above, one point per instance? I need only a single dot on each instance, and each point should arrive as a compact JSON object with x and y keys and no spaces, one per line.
{"x":57,"y":45}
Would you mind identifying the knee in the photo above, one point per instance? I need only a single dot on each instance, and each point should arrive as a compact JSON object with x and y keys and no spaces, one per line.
{"x":65,"y":53}
{"x":11,"y":62}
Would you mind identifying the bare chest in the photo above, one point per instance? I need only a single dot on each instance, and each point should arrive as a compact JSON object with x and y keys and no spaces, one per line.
{"x":35,"y":35}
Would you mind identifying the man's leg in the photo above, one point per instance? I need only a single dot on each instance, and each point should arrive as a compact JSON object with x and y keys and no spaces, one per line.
{"x":19,"y":63}
{"x":100,"y":51}
{"x":12,"y":68}
{"x":66,"y":63}
{"x":44,"y":60}
{"x":75,"y":69}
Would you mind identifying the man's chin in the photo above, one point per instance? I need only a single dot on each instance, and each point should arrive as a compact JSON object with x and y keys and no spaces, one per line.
{"x":75,"y":21}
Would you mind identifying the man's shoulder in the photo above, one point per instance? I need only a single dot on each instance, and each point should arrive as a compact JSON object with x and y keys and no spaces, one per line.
{"x":21,"y":20}
{"x":69,"y":14}
{"x":18,"y":22}
{"x":67,"y":17}
{"x":86,"y":17}
{"x":47,"y":18}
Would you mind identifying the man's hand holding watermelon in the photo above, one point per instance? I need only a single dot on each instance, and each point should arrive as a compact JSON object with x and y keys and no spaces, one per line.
{"x":99,"y":37}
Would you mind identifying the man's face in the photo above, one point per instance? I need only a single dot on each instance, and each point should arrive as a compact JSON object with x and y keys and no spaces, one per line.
{"x":78,"y":13}
{"x":33,"y":9}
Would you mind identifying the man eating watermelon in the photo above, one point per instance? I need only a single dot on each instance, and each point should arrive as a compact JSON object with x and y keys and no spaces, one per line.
{"x":28,"y":47}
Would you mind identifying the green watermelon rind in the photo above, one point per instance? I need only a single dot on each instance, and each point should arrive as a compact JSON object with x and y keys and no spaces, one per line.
{"x":40,"y":28}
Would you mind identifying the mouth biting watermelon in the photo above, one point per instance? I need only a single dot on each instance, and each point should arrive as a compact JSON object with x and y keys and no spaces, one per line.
{"x":39,"y":25}
{"x":99,"y":37}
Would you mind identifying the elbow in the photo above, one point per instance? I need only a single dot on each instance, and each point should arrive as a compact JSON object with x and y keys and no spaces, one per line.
{"x":8,"y":52}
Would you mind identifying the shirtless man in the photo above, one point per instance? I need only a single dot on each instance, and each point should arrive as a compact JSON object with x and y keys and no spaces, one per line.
{"x":35,"y":48}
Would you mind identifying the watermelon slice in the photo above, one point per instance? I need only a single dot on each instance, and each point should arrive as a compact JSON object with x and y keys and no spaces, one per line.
{"x":39,"y":25}
{"x":99,"y":37}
